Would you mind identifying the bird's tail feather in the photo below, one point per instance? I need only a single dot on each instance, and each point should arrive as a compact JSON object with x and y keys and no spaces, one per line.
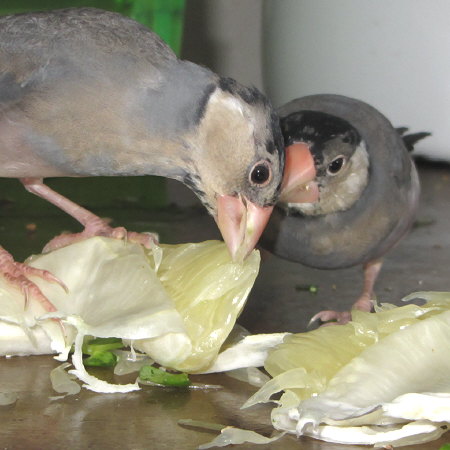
{"x":411,"y":139}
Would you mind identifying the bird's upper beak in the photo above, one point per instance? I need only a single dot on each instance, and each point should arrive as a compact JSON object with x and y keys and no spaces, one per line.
{"x":299,"y":185}
{"x":241,"y":224}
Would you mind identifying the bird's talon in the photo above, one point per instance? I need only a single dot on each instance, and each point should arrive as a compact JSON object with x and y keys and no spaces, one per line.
{"x":46,"y":275}
{"x":311,"y":322}
{"x":29,"y":290}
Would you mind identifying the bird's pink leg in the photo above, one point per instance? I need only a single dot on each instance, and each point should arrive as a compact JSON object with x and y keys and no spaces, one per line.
{"x":16,"y":273}
{"x":371,"y":271}
{"x":93,"y":225}
{"x":364,"y":302}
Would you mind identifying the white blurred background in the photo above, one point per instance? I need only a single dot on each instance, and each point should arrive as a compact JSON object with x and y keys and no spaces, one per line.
{"x":393,"y":54}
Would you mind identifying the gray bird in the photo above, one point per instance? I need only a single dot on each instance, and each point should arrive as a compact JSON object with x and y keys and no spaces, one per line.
{"x":367,"y":184}
{"x":86,"y":92}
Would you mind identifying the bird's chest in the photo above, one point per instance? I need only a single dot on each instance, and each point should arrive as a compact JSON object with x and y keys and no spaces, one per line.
{"x":333,"y":242}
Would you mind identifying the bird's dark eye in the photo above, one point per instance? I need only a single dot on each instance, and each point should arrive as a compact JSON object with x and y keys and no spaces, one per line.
{"x":260,"y":173}
{"x":336,"y":165}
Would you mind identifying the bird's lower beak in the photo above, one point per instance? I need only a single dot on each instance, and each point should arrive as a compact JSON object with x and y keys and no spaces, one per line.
{"x":299,"y":175}
{"x":241,"y":224}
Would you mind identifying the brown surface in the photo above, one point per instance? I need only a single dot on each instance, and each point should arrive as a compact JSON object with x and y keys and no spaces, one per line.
{"x":148,"y":419}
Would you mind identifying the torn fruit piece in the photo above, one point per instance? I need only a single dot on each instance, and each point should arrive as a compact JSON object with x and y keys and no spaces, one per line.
{"x":381,"y":379}
{"x":188,"y":294}
{"x":236,"y":436}
{"x":209,"y":291}
{"x":63,"y":382}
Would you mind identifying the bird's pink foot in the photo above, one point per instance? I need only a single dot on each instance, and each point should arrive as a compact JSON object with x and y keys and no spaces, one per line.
{"x":331,"y":318}
{"x":364,"y":303}
{"x":17,"y":274}
{"x":99,"y":227}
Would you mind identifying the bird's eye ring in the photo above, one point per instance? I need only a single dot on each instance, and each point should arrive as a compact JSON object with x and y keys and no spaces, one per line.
{"x":336,"y":165}
{"x":261,"y":174}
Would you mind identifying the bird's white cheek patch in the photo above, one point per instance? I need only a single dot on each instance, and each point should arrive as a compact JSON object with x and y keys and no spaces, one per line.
{"x":342,"y":194}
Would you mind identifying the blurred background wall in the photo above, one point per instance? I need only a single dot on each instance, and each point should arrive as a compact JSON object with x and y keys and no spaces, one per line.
{"x":225,"y":35}
{"x":391,"y":54}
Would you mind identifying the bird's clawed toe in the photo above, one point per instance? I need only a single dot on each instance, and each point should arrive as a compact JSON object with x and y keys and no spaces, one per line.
{"x":17,"y":274}
{"x":326,"y":318}
{"x":145,"y":238}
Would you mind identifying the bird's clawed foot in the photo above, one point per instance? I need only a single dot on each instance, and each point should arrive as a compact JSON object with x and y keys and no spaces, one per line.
{"x":326,"y":318}
{"x":17,"y":274}
{"x":99,"y":227}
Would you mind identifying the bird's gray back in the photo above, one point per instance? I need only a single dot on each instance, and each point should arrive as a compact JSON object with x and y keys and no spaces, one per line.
{"x":85,"y":86}
{"x":42,"y":33}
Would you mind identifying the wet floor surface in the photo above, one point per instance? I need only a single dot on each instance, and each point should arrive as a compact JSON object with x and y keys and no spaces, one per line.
{"x":280,"y":301}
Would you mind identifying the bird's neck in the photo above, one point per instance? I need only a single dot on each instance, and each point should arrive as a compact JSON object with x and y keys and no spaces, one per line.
{"x":154,"y":156}
{"x":161,"y":119}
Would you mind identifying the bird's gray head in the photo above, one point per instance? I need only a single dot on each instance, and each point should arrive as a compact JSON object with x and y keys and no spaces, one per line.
{"x":340,"y":158}
{"x":239,"y":158}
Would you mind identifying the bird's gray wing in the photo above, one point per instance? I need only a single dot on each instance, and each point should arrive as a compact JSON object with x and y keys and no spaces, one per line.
{"x":70,"y":82}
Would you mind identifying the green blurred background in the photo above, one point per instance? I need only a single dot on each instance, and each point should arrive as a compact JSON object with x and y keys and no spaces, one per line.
{"x":165,"y":17}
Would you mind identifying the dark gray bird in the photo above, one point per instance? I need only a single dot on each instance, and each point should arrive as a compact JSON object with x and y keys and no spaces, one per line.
{"x":368,"y":189}
{"x":86,"y":92}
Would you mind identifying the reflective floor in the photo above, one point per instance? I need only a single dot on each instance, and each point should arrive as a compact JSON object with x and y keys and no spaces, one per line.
{"x":279,"y":302}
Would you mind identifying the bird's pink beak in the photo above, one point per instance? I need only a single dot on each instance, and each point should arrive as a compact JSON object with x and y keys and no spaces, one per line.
{"x":241,"y":224}
{"x":299,"y":174}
